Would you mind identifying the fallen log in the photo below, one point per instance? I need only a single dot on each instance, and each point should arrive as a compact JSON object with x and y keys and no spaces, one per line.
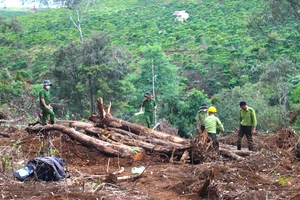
{"x":112,"y":136}
{"x":116,"y":149}
{"x":105,"y":119}
{"x":241,"y":152}
{"x":76,"y":124}
{"x":4,"y":134}
{"x":151,"y":140}
{"x":230,"y":154}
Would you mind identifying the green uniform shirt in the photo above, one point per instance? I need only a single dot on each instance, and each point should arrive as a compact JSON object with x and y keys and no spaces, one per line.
{"x":201,"y":117}
{"x":248,"y":117}
{"x":212,"y":123}
{"x":44,"y":94}
{"x":149,"y":105}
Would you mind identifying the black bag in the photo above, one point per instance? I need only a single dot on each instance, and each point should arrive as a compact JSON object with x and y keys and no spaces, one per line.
{"x":44,"y":169}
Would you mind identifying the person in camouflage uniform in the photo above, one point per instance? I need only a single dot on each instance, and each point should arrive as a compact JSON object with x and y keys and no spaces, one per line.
{"x":200,"y":117}
{"x":44,"y":97}
{"x":150,"y":105}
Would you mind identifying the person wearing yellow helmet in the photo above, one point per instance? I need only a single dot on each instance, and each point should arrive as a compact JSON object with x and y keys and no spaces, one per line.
{"x":212,"y":123}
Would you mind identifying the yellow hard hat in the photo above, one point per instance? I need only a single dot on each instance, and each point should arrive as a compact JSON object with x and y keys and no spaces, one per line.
{"x":212,"y":109}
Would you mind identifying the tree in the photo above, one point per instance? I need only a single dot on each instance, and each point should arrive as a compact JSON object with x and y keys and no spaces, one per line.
{"x":167,"y":81}
{"x":187,"y":107}
{"x":85,"y":71}
{"x":275,"y":77}
{"x":77,"y":10}
{"x":278,"y":22}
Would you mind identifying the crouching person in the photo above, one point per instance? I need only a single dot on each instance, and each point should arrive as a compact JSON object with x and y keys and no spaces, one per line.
{"x":211,"y":124}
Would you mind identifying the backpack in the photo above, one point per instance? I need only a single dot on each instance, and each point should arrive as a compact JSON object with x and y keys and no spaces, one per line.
{"x":43,"y":169}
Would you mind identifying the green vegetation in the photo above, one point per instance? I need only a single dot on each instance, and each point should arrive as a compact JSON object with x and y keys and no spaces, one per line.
{"x":226,"y":51}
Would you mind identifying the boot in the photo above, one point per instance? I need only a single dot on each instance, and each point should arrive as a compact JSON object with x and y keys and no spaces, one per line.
{"x":250,"y":148}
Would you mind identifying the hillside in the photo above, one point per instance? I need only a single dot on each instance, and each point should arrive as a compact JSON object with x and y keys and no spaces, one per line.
{"x":223,"y":53}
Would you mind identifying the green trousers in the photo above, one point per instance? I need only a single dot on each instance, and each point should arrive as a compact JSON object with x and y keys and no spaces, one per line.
{"x":45,"y":114}
{"x":149,"y":119}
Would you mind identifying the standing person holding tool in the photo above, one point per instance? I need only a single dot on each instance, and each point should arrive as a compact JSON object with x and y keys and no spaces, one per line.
{"x":44,"y":97}
{"x":150,"y":105}
{"x":212,"y":123}
{"x":247,"y":125}
{"x":200,"y":117}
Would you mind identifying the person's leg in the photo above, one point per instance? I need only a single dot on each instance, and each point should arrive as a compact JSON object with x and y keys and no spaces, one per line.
{"x":249,"y":138}
{"x":202,"y":128}
{"x":240,"y":137}
{"x":215,"y":139}
{"x":47,"y":112}
{"x":151,"y":120}
{"x":44,"y":116}
{"x":147,"y":119}
{"x":52,"y":115}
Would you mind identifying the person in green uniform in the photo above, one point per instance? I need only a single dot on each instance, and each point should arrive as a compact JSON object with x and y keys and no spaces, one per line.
{"x":247,"y":125}
{"x":150,"y":105}
{"x":212,"y":123}
{"x":47,"y":109}
{"x":200,"y":117}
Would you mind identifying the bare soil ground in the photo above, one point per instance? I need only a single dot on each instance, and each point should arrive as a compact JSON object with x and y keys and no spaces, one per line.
{"x":272,"y":171}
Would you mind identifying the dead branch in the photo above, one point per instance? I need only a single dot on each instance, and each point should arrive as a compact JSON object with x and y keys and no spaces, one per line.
{"x":5,"y":134}
{"x":204,"y":189}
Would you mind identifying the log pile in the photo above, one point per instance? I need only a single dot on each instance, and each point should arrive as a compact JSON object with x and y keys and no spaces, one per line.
{"x":116,"y":137}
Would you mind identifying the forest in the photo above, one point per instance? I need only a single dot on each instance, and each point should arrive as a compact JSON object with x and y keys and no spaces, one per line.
{"x":225,"y":52}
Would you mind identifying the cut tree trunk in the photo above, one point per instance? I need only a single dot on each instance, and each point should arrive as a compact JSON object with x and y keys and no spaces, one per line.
{"x":131,"y":139}
{"x":105,"y":119}
{"x":105,"y":147}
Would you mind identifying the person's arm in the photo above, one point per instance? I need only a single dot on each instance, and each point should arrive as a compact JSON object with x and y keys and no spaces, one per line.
{"x":197,"y":120}
{"x":44,"y":103}
{"x":254,"y":121}
{"x":41,"y":95}
{"x":155,"y":107}
{"x":141,"y":106}
{"x":220,"y":126}
{"x":197,"y":124}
